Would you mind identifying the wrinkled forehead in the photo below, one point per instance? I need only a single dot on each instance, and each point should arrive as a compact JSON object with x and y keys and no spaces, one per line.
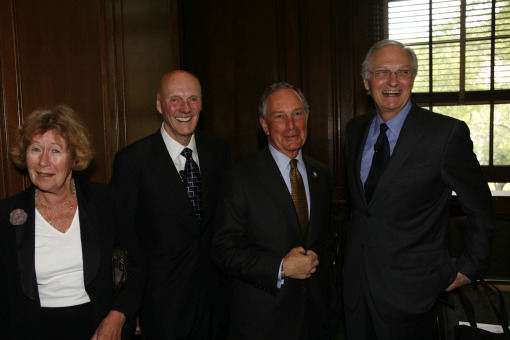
{"x":390,"y":56}
{"x":284,"y":98}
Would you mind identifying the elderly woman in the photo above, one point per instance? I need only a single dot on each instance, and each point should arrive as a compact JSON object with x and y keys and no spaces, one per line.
{"x":57,"y":238}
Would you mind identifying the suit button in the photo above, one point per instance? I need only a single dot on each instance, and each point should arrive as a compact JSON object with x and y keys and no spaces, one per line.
{"x":367,"y":214}
{"x":362,"y":246}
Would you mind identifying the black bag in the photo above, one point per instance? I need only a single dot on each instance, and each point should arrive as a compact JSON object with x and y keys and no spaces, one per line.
{"x":479,"y":305}
{"x":119,"y":269}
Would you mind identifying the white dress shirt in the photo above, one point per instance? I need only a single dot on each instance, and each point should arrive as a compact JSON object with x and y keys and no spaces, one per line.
{"x":175,"y":148}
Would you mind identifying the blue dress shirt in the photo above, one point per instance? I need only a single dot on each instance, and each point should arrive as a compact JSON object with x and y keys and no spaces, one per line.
{"x":394,"y":126}
{"x":283,"y":163}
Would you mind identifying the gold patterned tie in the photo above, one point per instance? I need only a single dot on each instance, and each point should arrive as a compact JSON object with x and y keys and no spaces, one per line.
{"x":299,"y":196}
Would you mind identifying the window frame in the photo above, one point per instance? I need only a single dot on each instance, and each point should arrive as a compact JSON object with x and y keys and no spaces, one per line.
{"x":493,"y":173}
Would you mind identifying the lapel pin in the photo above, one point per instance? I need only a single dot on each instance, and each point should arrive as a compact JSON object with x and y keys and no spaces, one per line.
{"x":315,"y":175}
{"x":18,"y":217}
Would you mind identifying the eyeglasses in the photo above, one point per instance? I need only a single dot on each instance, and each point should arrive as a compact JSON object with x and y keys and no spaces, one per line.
{"x":386,"y":74}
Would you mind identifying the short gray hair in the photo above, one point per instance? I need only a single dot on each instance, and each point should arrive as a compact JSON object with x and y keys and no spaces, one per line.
{"x":276,"y":87}
{"x":365,"y":66}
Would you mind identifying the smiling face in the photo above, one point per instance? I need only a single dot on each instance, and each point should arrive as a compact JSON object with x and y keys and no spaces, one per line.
{"x":392,"y":94}
{"x":49,"y":163}
{"x":285,"y":123}
{"x":179,"y":101}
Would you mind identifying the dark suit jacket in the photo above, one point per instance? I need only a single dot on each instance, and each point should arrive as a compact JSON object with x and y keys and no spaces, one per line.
{"x":399,"y":239}
{"x":257,"y":226}
{"x":99,"y":217}
{"x":181,"y":278}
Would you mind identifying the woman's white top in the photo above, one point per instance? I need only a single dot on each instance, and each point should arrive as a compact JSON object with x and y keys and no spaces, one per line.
{"x":59,"y":264}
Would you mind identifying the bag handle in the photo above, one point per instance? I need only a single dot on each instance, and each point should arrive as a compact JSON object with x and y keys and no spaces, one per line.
{"x":119,"y":263}
{"x":118,"y":288}
{"x":501,"y":312}
{"x":468,"y":309}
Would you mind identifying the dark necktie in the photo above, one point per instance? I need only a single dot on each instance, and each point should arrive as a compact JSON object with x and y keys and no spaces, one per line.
{"x":379,"y":162}
{"x":192,"y":182}
{"x":299,"y":196}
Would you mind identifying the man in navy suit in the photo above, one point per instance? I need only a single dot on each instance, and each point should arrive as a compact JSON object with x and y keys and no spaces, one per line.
{"x":397,"y":263}
{"x":278,"y":248}
{"x":185,"y":295}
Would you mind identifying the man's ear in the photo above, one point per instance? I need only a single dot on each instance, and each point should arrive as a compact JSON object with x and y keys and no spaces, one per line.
{"x":263,"y":123}
{"x":158,"y":103}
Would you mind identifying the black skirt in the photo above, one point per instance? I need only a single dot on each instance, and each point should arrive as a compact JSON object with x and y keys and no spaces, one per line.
{"x":74,"y":322}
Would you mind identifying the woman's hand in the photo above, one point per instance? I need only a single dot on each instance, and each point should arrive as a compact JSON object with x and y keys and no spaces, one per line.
{"x":111,"y":327}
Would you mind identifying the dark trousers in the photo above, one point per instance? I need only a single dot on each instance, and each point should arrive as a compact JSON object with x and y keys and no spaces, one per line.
{"x":364,"y":323}
{"x":64,"y":323}
{"x":205,"y":326}
{"x":311,"y":326}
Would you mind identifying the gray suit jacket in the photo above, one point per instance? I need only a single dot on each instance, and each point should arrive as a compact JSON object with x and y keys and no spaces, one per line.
{"x":399,"y":239}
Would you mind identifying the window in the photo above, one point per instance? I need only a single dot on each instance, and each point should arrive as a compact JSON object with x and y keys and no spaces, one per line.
{"x":463,"y":49}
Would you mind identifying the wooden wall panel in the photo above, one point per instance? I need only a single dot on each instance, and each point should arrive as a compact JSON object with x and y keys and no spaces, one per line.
{"x":255,"y":49}
{"x":57,"y":51}
{"x":237,"y":48}
{"x":231,"y":47}
{"x":10,"y":95}
{"x":106,"y":57}
{"x":147,"y":42}
{"x":321,"y":57}
{"x":140,"y":45}
{"x":103,"y":57}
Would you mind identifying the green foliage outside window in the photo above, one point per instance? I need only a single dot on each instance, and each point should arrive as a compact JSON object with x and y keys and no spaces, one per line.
{"x":463,"y":49}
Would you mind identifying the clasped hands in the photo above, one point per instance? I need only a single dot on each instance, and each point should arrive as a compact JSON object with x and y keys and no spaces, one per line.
{"x":300,"y":263}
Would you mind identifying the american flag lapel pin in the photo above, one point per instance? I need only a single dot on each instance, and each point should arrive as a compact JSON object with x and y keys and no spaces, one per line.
{"x":315,"y":175}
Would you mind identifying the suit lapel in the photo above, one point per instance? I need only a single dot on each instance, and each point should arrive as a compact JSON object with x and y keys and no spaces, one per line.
{"x":25,"y":243}
{"x":164,"y":168}
{"x":89,"y":231}
{"x":316,"y":198}
{"x":410,"y":134}
{"x":359,"y":141}
{"x":271,"y":179}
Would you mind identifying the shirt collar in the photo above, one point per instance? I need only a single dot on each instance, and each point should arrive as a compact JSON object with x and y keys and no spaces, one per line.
{"x":175,"y":148}
{"x":394,"y":124}
{"x":282,"y":161}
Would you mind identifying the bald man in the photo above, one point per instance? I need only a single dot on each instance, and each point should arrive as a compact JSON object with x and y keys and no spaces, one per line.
{"x":170,"y":182}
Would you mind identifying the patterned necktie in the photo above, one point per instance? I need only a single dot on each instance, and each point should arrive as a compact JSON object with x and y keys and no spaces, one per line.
{"x":299,"y":196}
{"x":192,"y":182}
{"x":379,"y":162}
